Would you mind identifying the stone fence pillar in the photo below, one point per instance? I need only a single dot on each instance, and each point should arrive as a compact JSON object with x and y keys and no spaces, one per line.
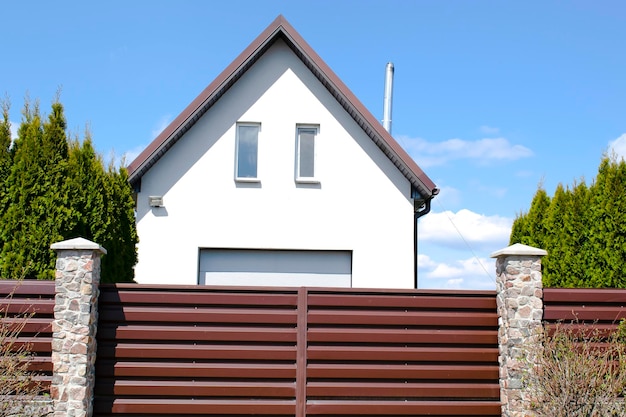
{"x":74,"y":326}
{"x":520,"y":312}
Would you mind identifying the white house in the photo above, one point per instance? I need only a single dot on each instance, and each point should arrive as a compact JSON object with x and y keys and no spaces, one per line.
{"x":276,"y":174}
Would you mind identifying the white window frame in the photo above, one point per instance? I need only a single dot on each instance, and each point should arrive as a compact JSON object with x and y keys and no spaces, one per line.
{"x":237,"y":177}
{"x":315,"y":178}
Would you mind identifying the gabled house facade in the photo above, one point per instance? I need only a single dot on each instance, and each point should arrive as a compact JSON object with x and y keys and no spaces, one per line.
{"x":277,"y":175}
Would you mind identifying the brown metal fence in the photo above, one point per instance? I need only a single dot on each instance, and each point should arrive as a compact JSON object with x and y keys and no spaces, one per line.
{"x":601,"y":308}
{"x":33,"y":302}
{"x":241,"y":351}
{"x":175,"y":350}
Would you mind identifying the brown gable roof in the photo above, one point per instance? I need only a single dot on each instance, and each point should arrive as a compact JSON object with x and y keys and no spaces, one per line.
{"x":281,"y":29}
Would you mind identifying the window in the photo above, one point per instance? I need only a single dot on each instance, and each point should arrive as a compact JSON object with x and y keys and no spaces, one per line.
{"x":305,"y":153}
{"x":247,"y":151}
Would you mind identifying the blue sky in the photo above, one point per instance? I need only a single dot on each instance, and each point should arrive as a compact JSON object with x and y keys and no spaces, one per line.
{"x":491,"y":98}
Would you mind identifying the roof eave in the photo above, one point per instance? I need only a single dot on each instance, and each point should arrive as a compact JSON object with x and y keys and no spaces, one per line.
{"x":325,"y":75}
{"x":360,"y":114}
{"x":201,"y":103}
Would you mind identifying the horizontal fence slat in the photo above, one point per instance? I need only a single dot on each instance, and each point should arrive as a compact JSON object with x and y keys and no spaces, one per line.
{"x":192,"y":406}
{"x":41,"y":346}
{"x":197,"y":388}
{"x":22,"y":288}
{"x":27,"y":305}
{"x":41,"y":364}
{"x":411,"y":354}
{"x":430,"y":336}
{"x":194,"y":351}
{"x":424,"y":301}
{"x":414,"y":408}
{"x":195,"y":298}
{"x":405,"y":390}
{"x":196,"y":333}
{"x":366,"y":292}
{"x":410,"y":318}
{"x":403,"y":371}
{"x":584,"y":295}
{"x":195,"y":370}
{"x":196,"y":315}
{"x":584,"y":313}
{"x":28,"y":324}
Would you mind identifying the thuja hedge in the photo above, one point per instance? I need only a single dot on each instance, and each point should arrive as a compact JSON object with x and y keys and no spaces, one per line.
{"x":55,"y":187}
{"x":582,"y":227}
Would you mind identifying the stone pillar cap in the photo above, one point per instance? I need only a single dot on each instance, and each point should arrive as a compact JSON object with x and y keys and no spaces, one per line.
{"x":78,"y":243}
{"x":519,"y":250}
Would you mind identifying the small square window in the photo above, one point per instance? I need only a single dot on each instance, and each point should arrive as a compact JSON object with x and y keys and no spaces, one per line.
{"x":305,"y":153}
{"x":247,"y":151}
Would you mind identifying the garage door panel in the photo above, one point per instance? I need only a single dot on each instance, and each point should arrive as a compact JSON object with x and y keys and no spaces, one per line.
{"x":248,"y":267}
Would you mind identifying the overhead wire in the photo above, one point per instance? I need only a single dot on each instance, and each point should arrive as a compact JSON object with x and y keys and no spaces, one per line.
{"x":443,"y":209}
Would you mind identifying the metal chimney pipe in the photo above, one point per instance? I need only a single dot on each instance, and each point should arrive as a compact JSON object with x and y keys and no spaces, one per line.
{"x":388,"y":97}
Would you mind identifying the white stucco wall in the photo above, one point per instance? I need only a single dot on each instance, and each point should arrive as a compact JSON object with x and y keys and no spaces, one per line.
{"x":362,"y":202}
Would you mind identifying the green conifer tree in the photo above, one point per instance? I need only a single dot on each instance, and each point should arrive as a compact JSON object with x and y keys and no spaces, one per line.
{"x":103,"y":210}
{"x":529,"y":228}
{"x":86,"y":189}
{"x":6,"y":158}
{"x":25,"y":186}
{"x":575,"y":264}
{"x":555,"y":237}
{"x":120,"y":234}
{"x":5,"y":143}
{"x":607,"y":234}
{"x":518,"y":230}
{"x":582,"y":229}
{"x":57,"y":189}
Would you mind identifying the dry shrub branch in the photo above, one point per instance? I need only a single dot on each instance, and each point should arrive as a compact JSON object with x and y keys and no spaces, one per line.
{"x":20,"y":387}
{"x":577,"y":370}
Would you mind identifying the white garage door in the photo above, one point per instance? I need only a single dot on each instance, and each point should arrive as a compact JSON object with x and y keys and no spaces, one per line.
{"x":284,"y":268}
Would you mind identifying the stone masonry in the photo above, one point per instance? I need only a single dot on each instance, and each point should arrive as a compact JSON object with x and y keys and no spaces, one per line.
{"x":520,"y":312}
{"x":74,"y":326}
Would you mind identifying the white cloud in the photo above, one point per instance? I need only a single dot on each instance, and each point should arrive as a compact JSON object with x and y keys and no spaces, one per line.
{"x":161,"y":124}
{"x":14,"y":127}
{"x":464,"y":239}
{"x":424,"y":261}
{"x":455,"y":283}
{"x":489,"y":130}
{"x":448,"y":196}
{"x":483,"y":150}
{"x":126,"y":157}
{"x":619,"y":146}
{"x":487,"y":190}
{"x":474,"y":273}
{"x":524,"y":174}
{"x":451,"y":198}
{"x":131,"y":154}
{"x":458,"y":269}
{"x":452,"y":230}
